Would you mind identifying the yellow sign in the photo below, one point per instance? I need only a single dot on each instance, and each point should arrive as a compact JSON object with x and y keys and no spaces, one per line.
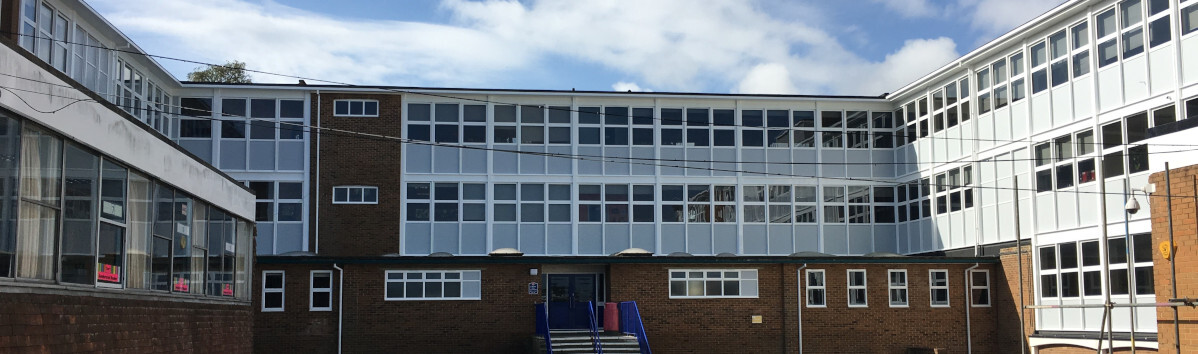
{"x":1166,"y":251}
{"x":756,"y":318}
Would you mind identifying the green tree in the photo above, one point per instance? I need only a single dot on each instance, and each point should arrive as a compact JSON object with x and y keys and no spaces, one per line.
{"x":232,"y":72}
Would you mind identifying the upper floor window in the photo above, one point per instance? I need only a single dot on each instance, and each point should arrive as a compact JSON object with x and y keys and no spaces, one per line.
{"x":433,"y":285}
{"x":361,"y":108}
{"x":355,"y":195}
{"x":713,"y":283}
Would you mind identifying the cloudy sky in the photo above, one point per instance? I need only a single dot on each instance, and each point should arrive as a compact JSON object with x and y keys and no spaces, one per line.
{"x":852,"y":47}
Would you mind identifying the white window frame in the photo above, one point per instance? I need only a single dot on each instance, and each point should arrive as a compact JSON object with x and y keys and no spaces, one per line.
{"x":312,"y":290}
{"x":932,"y":288}
{"x":363,"y":189}
{"x":864,"y":287}
{"x":746,"y":280}
{"x":823,"y":287}
{"x":463,"y":275}
{"x":974,"y":287}
{"x":348,"y":108}
{"x":892,"y":287}
{"x":282,"y":291}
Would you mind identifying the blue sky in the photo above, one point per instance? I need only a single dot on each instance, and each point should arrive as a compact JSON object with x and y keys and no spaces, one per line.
{"x":853,"y":47}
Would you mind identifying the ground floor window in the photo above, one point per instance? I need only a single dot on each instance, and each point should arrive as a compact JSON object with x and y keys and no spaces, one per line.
{"x":816,"y":288}
{"x":713,"y":283}
{"x":979,"y":288}
{"x":272,"y":291}
{"x":898,"y":287}
{"x":433,"y":285}
{"x":321,"y":291}
{"x":938,"y":285}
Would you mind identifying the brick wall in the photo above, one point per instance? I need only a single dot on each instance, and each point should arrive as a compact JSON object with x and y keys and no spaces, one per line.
{"x":503,"y":322}
{"x":48,"y":323}
{"x":355,"y":160}
{"x":1007,"y":301}
{"x":295,"y":329}
{"x":724,"y":325}
{"x":1185,"y":255}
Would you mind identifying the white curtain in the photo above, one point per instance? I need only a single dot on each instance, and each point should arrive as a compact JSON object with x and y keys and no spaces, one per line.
{"x":41,"y":178}
{"x":136,"y":272}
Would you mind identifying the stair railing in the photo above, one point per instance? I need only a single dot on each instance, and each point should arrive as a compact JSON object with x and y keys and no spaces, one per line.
{"x":543,"y":325}
{"x":630,"y":322}
{"x":594,"y":328}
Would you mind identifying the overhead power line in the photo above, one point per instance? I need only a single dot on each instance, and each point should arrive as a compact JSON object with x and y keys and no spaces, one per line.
{"x":602,"y":159}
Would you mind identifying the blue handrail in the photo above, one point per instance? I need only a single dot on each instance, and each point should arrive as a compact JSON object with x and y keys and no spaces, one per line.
{"x":543,"y":326}
{"x":630,"y":322}
{"x":594,"y":328}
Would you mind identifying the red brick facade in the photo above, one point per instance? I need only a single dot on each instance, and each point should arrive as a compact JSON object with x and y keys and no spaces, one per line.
{"x":52,"y":323}
{"x":349,"y":159}
{"x":503,"y":321}
{"x":1185,"y":254}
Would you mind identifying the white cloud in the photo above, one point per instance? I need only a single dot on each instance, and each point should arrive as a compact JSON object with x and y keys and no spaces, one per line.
{"x":915,"y":59}
{"x":673,"y":45}
{"x":628,"y":87}
{"x":995,"y":17}
{"x":771,"y":78}
{"x":911,"y":8}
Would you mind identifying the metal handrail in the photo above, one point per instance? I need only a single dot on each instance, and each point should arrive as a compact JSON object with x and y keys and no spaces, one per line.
{"x":542,"y":310}
{"x":594,"y":328}
{"x":630,"y":322}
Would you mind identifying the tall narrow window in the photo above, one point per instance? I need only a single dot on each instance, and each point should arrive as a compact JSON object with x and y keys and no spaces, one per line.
{"x":979,"y":288}
{"x":898,"y":287}
{"x":856,"y":294}
{"x":272,"y":291}
{"x":816,"y":288}
{"x":81,"y":172}
{"x":321,"y":291}
{"x":938,"y":287}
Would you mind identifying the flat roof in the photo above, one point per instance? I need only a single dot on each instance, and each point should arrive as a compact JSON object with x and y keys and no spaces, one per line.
{"x":408,"y":89}
{"x":398,"y":260}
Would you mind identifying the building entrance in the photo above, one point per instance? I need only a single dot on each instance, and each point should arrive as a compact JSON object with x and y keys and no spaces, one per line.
{"x":568,"y":295}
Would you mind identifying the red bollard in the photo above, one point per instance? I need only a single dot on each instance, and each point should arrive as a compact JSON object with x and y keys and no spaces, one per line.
{"x":611,"y":317}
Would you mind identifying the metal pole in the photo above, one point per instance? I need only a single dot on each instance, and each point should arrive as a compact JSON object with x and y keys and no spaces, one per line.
{"x":1105,"y":312}
{"x":1019,"y":257}
{"x":1172,"y":257}
{"x":1127,"y":254}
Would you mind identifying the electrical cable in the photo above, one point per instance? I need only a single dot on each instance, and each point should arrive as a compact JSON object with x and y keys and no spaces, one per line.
{"x":603,"y":159}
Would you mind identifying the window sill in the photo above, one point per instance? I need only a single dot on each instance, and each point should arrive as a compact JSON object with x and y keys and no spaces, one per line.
{"x":22,"y":286}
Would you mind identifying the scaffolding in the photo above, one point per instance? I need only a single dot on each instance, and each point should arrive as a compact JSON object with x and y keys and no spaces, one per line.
{"x":1107,"y":324}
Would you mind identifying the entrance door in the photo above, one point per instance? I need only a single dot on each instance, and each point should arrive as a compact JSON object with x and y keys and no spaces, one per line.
{"x":568,"y":296}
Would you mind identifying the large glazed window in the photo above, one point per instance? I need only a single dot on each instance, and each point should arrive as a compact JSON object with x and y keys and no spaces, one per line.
{"x":10,"y":154}
{"x":41,"y":180}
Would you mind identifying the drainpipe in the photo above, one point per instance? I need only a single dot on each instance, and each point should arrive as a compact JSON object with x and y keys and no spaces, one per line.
{"x":969,"y":303}
{"x":800,"y":308}
{"x":340,"y":302}
{"x":316,"y":218}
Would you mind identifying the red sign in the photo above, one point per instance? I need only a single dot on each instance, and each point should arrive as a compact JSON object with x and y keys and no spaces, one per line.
{"x":108,"y":273}
{"x":228,"y":290}
{"x":181,"y":284}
